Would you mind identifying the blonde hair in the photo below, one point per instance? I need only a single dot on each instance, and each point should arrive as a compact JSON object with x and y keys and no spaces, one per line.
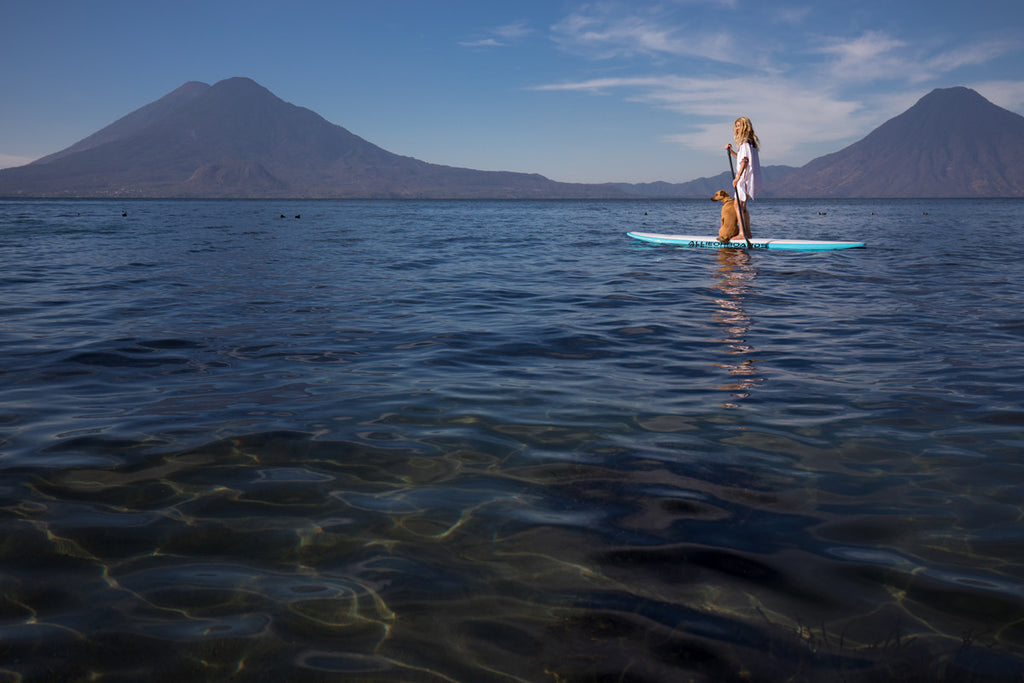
{"x":746,"y":132}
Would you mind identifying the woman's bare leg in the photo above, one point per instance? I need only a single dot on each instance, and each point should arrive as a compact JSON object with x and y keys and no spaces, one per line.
{"x":741,"y":209}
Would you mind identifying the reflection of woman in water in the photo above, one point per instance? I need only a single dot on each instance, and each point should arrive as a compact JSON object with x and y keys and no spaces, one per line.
{"x":735,"y":272}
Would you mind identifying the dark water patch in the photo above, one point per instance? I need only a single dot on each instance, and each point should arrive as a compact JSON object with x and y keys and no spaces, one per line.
{"x":127,"y":358}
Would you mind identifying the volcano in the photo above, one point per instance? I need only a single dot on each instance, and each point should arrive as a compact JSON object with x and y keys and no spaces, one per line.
{"x":236,"y":139}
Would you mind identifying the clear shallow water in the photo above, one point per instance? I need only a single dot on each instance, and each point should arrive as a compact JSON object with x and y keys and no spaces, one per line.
{"x":500,"y":441}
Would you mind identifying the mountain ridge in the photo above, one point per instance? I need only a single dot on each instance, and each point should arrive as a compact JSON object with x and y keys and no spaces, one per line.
{"x":236,"y":139}
{"x":951,"y":143}
{"x":133,"y":122}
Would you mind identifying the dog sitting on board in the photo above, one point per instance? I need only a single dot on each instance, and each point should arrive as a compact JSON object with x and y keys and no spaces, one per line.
{"x":729,"y":226}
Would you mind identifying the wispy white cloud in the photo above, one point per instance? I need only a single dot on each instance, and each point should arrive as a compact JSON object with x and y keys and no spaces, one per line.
{"x":603,"y":85}
{"x":866,"y":57}
{"x":606,"y":31}
{"x":10,"y":160}
{"x":1006,"y":94}
{"x":791,"y":16}
{"x":501,"y":36}
{"x":483,"y":42}
{"x":970,"y":55}
{"x":801,"y":95}
{"x":788,"y":115}
{"x":514,"y":31}
{"x":875,"y":55}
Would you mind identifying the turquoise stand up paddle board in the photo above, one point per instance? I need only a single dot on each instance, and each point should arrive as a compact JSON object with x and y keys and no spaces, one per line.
{"x":711,"y":242}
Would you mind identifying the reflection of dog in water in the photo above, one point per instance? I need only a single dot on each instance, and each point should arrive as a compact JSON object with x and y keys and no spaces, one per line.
{"x":729,"y":226}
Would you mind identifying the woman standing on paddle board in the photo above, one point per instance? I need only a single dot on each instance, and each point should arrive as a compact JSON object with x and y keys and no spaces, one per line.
{"x":748,"y":174}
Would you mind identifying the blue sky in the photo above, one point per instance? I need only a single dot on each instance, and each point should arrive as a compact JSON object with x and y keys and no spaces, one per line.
{"x":577,"y":91}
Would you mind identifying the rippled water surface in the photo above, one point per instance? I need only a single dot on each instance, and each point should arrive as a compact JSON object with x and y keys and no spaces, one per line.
{"x":501,"y":441}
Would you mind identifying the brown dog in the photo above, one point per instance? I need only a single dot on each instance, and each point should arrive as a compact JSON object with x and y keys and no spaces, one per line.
{"x":729,"y":226}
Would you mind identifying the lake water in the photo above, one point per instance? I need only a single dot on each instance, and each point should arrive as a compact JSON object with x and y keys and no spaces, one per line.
{"x":501,"y":441}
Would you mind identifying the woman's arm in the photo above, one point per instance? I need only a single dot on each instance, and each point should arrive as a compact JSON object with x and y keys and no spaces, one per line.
{"x":744,"y":162}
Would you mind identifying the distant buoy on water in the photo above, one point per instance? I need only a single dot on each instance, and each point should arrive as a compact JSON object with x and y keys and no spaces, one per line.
{"x":124,"y":213}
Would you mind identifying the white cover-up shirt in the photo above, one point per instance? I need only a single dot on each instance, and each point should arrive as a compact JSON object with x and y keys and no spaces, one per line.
{"x":750,"y":182}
